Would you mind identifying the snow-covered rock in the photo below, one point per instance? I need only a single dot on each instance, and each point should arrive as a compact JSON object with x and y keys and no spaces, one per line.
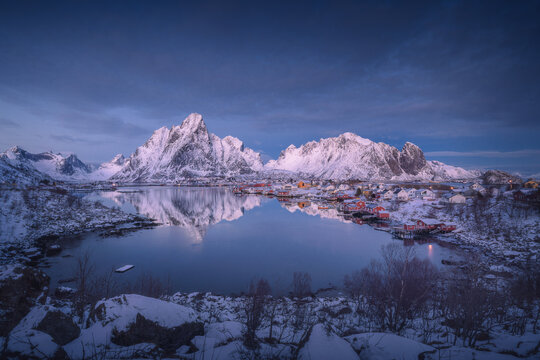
{"x":188,"y":150}
{"x":385,"y":346}
{"x":350,"y":156}
{"x":322,"y":346}
{"x":111,"y":322}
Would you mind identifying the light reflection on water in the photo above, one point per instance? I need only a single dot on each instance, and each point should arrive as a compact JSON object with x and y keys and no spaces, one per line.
{"x":215,"y":241}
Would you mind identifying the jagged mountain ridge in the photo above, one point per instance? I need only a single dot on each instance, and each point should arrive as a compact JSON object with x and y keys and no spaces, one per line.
{"x":349,"y":156}
{"x":48,"y":164}
{"x":188,"y":150}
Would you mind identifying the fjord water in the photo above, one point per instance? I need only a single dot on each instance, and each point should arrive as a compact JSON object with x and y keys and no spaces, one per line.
{"x":213,"y":240}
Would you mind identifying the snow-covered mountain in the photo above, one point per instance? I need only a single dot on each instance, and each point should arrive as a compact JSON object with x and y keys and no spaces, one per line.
{"x":108,"y":169}
{"x":12,"y":171}
{"x":350,"y":156}
{"x":188,"y":150}
{"x":56,"y":166}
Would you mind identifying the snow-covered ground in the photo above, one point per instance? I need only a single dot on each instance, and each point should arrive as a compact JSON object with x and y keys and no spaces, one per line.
{"x":205,"y":326}
{"x":27,"y":215}
{"x":496,"y":226}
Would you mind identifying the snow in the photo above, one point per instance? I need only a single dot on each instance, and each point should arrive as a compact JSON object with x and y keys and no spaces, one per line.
{"x":351,"y":156}
{"x":188,"y":150}
{"x":26,"y":215}
{"x":323,"y":346}
{"x":122,"y":310}
{"x":124,"y":268}
{"x":386,"y":346}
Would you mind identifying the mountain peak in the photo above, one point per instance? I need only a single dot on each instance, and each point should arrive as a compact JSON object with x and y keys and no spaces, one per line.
{"x":193,"y":122}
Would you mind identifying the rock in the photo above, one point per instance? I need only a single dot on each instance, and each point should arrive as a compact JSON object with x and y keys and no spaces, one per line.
{"x":146,"y":331}
{"x":64,"y":292}
{"x":497,"y":177}
{"x":59,"y":326}
{"x":54,"y":250}
{"x":20,"y":288}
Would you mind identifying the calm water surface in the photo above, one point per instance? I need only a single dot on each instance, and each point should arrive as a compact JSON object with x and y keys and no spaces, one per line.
{"x":215,"y":241}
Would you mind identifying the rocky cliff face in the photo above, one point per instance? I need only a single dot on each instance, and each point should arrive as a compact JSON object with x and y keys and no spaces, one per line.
{"x":188,"y":150}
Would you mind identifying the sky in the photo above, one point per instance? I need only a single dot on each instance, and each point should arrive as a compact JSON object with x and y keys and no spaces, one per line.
{"x":461,"y":79}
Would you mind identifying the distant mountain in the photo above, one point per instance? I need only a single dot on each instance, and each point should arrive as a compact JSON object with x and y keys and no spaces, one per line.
{"x":108,"y":169}
{"x":350,"y":156}
{"x":56,"y":166}
{"x":13,"y":171}
{"x":188,"y":150}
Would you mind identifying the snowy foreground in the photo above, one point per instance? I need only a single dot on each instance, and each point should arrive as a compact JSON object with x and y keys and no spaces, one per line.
{"x":204,"y":326}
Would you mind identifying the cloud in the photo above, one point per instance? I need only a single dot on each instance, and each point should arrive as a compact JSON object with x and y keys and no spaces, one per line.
{"x":8,"y":123}
{"x":485,"y":154}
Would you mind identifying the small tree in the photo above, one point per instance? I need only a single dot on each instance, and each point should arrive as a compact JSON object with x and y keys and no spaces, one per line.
{"x":254,"y":310}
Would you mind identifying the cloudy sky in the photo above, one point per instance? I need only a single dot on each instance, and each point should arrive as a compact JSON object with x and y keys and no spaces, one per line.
{"x":459,"y":79}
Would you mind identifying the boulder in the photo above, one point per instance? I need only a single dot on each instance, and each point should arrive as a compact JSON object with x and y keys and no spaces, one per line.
{"x":147,"y":331}
{"x":59,"y":326}
{"x":20,"y":288}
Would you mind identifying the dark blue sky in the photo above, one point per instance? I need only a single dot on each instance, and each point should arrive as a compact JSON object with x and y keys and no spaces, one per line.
{"x":459,"y":79}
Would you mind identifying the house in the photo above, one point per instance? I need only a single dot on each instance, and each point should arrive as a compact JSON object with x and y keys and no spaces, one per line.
{"x":403,"y":195}
{"x":388,"y":195}
{"x":383,"y":215}
{"x":476,"y":187}
{"x":447,"y":227}
{"x":412,"y":193}
{"x":429,"y":224}
{"x":409,"y":226}
{"x":303,"y":204}
{"x":531,"y":184}
{"x":427,"y":194}
{"x":303,"y":185}
{"x":457,"y":199}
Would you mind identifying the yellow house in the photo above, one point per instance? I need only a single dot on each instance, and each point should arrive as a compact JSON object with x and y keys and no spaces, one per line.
{"x":531,"y":184}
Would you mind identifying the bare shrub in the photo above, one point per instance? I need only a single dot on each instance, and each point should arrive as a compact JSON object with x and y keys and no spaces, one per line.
{"x":301,"y":284}
{"x":396,"y":288}
{"x":148,"y":285}
{"x":254,"y":309}
{"x":469,"y":305}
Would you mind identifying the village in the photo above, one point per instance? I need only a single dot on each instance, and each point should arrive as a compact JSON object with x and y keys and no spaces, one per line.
{"x":416,"y":211}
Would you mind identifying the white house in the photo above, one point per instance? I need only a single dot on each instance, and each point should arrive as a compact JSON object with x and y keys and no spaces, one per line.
{"x":388,"y":195}
{"x":403,"y":195}
{"x":427,"y":193}
{"x":412,"y":193}
{"x":457,"y":199}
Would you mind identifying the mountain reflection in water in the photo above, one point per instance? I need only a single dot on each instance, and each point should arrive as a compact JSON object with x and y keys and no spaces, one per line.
{"x":194,"y":209}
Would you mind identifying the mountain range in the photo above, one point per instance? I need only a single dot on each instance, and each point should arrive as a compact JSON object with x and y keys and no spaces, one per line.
{"x":190,"y":150}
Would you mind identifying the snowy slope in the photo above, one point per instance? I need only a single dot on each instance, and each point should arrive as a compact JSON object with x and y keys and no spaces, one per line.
{"x":12,"y":171}
{"x":108,"y":169}
{"x":350,"y":156}
{"x":188,"y":150}
{"x":57,"y":166}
